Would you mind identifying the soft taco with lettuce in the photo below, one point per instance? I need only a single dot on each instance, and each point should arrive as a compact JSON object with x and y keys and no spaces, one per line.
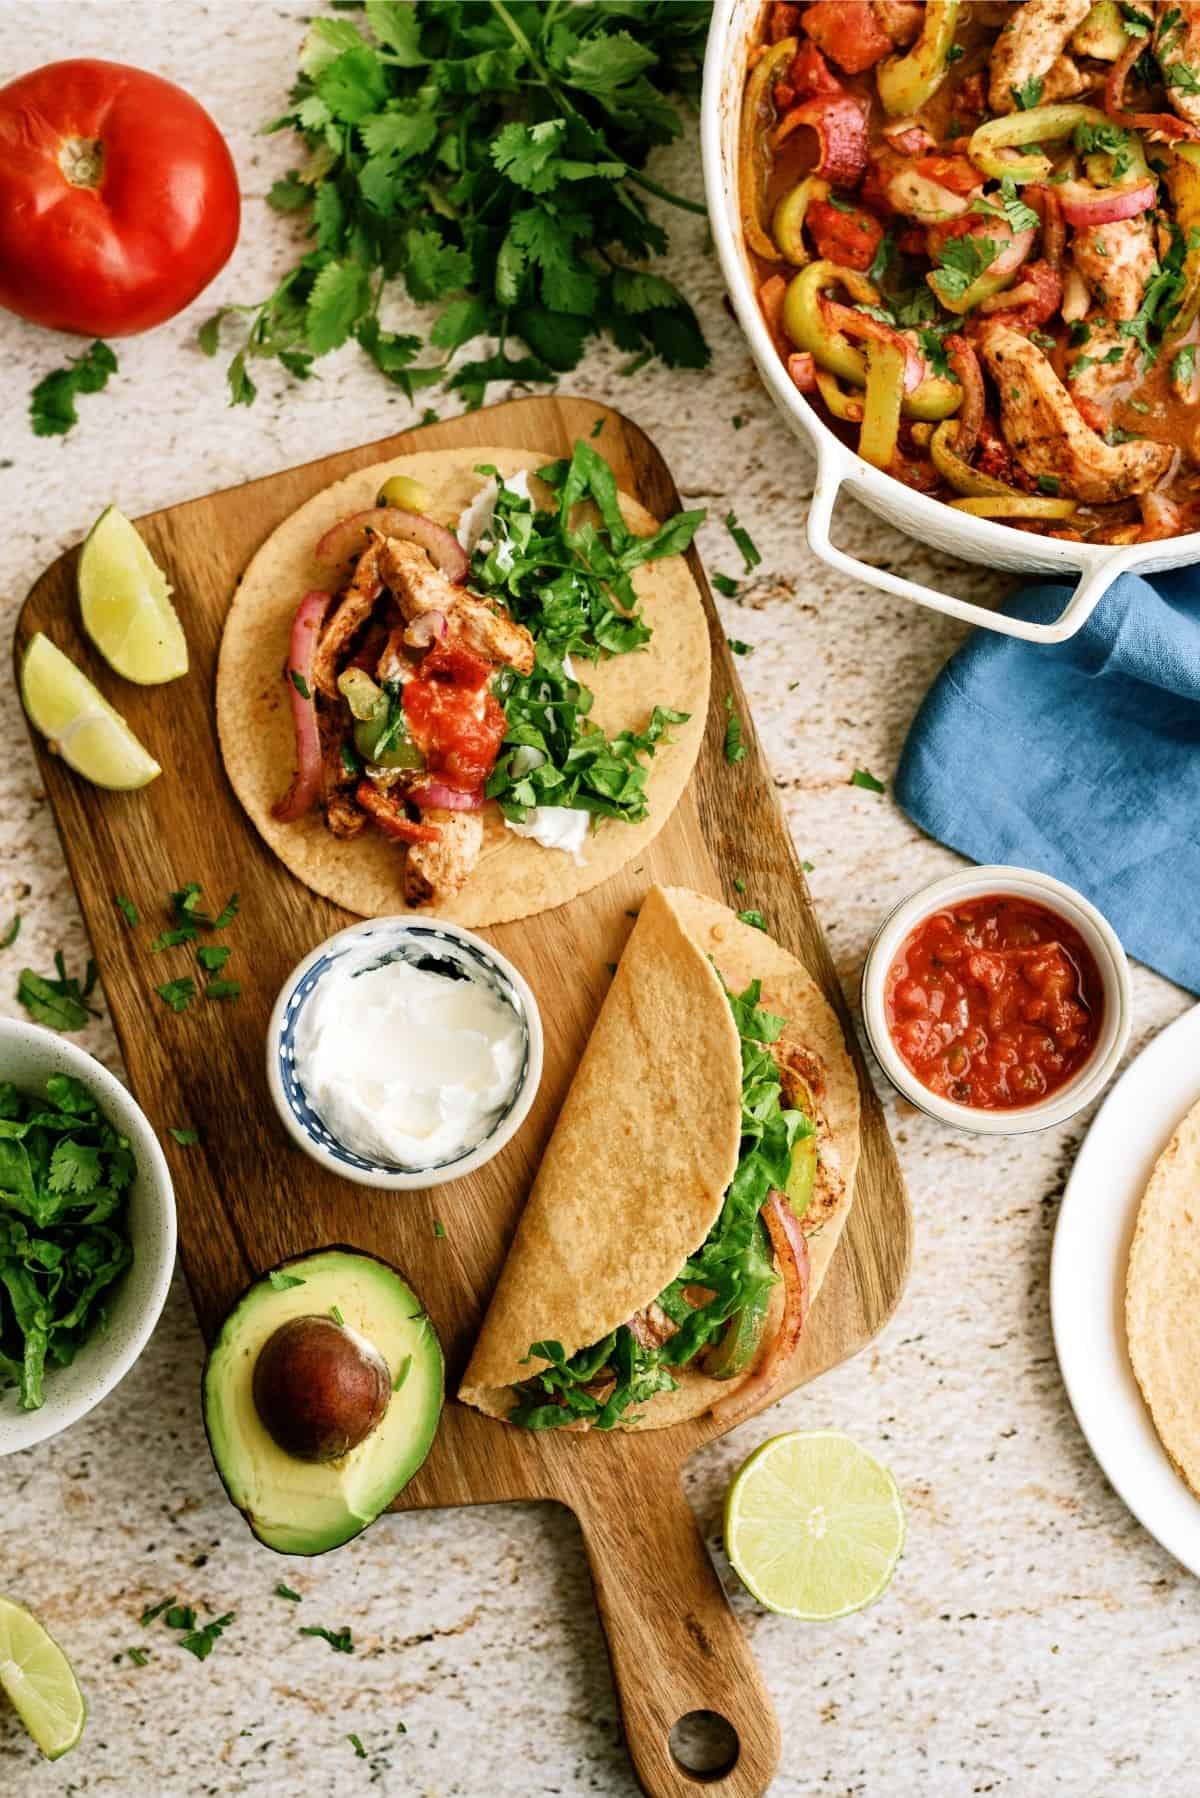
{"x":691,"y":1197}
{"x":468,"y":682}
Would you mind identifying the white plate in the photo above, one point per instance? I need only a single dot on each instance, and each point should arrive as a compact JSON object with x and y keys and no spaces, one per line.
{"x":1087,"y":1282}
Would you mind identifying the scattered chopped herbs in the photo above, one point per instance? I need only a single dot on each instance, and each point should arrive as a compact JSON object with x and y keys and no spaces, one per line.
{"x":734,"y":1263}
{"x":807,"y":867}
{"x":1109,"y":140}
{"x":739,"y":885}
{"x":156,"y":1610}
{"x":171,"y":939}
{"x":741,"y":536}
{"x":281,"y":1281}
{"x":739,"y":648}
{"x":596,"y":428}
{"x":726,"y":586}
{"x":955,"y":53}
{"x":335,"y":1311}
{"x":52,"y":405}
{"x":138,"y":1656}
{"x":754,"y":918}
{"x":61,"y":1003}
{"x":737,"y":421}
{"x":571,"y":585}
{"x":213,"y":956}
{"x":282,"y":1591}
{"x":180,"y":1616}
{"x":339,"y":1640}
{"x":226,"y":990}
{"x":128,"y":910}
{"x":861,"y":778}
{"x":491,"y":160}
{"x":178,"y":994}
{"x":360,"y":1752}
{"x":402,"y":1373}
{"x":1182,"y":76}
{"x":1109,"y":358}
{"x":186,"y":1138}
{"x":962,"y":260}
{"x":1048,"y":483}
{"x":201,"y":1642}
{"x":298,"y":681}
{"x":439,"y":1228}
{"x":1010,"y":206}
{"x":1028,"y":94}
{"x":735,"y":749}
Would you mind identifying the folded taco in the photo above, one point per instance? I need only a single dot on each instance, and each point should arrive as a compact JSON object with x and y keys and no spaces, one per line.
{"x":691,"y":1197}
{"x":483,"y":707}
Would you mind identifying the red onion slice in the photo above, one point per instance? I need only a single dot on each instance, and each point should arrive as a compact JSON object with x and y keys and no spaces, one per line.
{"x":791,"y":1258}
{"x":347,"y":536}
{"x":1083,"y":206}
{"x":451,"y":799}
{"x":302,"y":793}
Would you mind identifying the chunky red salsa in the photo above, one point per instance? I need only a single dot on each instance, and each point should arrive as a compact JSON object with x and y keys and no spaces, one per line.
{"x":452,"y":716}
{"x":995,"y":1002}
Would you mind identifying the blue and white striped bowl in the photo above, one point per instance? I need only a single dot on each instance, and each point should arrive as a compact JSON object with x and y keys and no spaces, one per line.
{"x":407,"y":939}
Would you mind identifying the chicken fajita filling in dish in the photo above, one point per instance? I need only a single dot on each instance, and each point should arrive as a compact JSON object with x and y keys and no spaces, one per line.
{"x":976,"y":230}
{"x":434,"y":676}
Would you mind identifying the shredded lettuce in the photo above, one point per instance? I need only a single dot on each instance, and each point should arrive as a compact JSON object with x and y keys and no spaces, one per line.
{"x":734,"y":1262}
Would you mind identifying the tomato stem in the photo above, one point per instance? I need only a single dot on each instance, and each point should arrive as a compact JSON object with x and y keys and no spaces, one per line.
{"x":81,"y":160}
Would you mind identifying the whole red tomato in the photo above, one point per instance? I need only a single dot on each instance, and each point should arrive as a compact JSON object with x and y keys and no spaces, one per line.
{"x":118,"y":198}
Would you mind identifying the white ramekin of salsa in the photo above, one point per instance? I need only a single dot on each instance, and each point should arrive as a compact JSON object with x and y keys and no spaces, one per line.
{"x":998,"y":1000}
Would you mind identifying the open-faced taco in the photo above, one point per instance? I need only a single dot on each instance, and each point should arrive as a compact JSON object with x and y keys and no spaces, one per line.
{"x":483,"y":707}
{"x":692,"y":1194}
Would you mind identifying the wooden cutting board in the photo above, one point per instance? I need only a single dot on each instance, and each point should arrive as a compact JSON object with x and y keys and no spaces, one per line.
{"x":247,"y":1198}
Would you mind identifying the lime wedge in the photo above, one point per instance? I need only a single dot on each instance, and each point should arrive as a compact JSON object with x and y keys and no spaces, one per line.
{"x":36,"y":1676}
{"x":126,"y":604}
{"x":814,"y":1525}
{"x":81,"y":726}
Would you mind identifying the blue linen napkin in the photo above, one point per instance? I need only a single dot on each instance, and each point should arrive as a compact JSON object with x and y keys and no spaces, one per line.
{"x":1079,"y":758}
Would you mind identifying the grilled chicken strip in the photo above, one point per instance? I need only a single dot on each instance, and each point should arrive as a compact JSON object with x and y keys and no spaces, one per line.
{"x":1028,"y":48}
{"x":1116,"y":261}
{"x":439,"y":870}
{"x":1177,"y":41}
{"x":1046,"y":433}
{"x":420,"y":587}
{"x":353,"y":610}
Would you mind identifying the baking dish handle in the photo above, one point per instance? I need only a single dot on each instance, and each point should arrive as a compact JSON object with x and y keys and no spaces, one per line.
{"x":1093,"y":582}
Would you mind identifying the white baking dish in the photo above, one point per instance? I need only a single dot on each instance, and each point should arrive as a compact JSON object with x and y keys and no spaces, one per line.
{"x":1092,"y":567}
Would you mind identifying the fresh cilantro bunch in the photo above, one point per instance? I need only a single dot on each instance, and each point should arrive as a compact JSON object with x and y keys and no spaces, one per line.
{"x":490,"y":158}
{"x":64,"y":1235}
{"x":734,"y":1262}
{"x":567,"y":578}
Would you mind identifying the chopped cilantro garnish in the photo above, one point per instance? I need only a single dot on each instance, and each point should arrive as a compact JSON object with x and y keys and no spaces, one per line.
{"x":339,"y":1640}
{"x":726,"y":585}
{"x":187,"y":1139}
{"x":213,"y":956}
{"x":201,"y":1642}
{"x":360,"y":1752}
{"x":226,"y":990}
{"x":60,"y":1003}
{"x":52,"y":405}
{"x":156,"y":1610}
{"x":753,"y":917}
{"x":282,"y":1591}
{"x":962,"y":260}
{"x":739,"y":885}
{"x":298,"y":681}
{"x":739,"y":648}
{"x":138,"y":1656}
{"x":735,"y":749}
{"x":171,"y":939}
{"x":1027,"y":94}
{"x":128,"y":910}
{"x":861,"y":778}
{"x":439,"y":1229}
{"x":741,"y":536}
{"x":1048,"y":483}
{"x":178,"y":994}
{"x":281,"y":1281}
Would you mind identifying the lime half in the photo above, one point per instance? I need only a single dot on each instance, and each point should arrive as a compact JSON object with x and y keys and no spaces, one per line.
{"x":36,"y":1676}
{"x":814,"y":1525}
{"x":126,"y":604}
{"x":80,"y":724}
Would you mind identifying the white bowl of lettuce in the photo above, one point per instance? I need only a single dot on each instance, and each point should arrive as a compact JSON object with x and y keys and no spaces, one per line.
{"x":87,"y":1233}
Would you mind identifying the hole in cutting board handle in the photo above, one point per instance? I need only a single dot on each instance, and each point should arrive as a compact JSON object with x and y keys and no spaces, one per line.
{"x":704,"y":1745}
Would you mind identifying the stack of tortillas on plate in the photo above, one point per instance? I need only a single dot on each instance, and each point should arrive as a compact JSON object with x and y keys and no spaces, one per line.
{"x":1162,"y":1298}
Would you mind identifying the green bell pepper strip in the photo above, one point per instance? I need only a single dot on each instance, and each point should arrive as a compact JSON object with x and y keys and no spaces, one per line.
{"x":805,"y":323}
{"x":754,"y":162}
{"x":365,"y":699}
{"x":1042,"y":124}
{"x":787,"y":225}
{"x":959,"y":474}
{"x":886,"y":363}
{"x":1183,"y":185}
{"x":846,"y":406}
{"x":905,"y":83}
{"x":1102,"y":33}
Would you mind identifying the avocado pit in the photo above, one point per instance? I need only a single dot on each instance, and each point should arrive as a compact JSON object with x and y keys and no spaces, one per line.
{"x":319,"y":1389}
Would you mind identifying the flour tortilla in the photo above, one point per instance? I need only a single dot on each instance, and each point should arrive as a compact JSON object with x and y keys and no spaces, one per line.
{"x":646,"y":1144}
{"x":516,"y":876}
{"x":1162,"y":1298}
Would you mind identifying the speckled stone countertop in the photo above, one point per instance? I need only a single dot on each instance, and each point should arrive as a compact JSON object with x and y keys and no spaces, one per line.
{"x":1035,"y":1639}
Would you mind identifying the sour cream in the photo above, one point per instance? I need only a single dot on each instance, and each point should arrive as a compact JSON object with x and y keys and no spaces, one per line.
{"x":475,"y":521}
{"x":555,"y":827}
{"x":407,"y":1065}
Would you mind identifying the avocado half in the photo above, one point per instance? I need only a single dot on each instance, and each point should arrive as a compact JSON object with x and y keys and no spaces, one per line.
{"x":293,"y":1501}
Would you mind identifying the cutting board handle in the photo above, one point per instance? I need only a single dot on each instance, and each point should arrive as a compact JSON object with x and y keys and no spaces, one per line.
{"x":676,"y":1646}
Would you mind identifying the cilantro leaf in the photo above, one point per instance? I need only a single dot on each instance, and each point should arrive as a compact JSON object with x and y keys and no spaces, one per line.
{"x":862,"y":778}
{"x":52,"y":404}
{"x":339,"y":1640}
{"x":735,"y":749}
